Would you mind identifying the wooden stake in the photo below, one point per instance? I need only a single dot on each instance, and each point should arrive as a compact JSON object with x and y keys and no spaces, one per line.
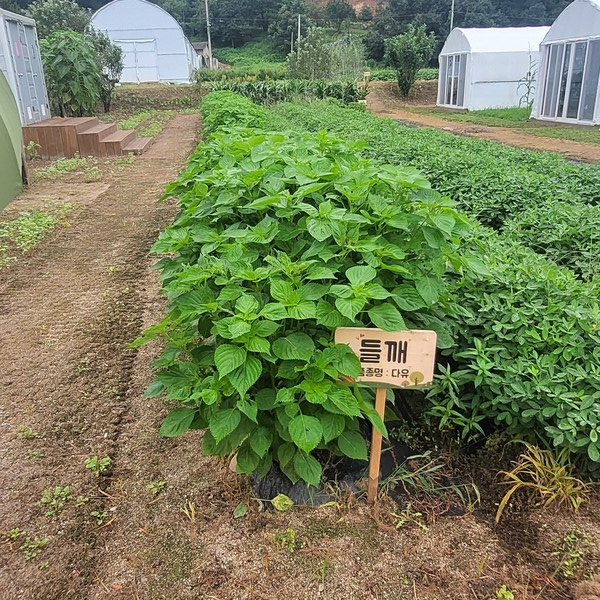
{"x":376,"y":439}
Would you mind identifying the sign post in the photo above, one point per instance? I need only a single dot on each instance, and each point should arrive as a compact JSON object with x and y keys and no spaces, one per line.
{"x":389,"y":359}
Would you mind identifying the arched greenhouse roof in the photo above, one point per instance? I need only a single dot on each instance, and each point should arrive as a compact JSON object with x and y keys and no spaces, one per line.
{"x":494,"y":39}
{"x":581,"y":19}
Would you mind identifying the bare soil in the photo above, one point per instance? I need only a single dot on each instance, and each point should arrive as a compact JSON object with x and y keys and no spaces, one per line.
{"x":163,"y":527}
{"x":384,"y":100}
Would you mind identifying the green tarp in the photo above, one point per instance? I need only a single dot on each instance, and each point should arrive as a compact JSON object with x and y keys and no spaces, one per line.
{"x":11,"y":144}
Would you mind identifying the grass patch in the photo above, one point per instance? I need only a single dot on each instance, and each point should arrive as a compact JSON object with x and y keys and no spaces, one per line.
{"x":145,"y":123}
{"x":516,"y":118}
{"x":28,"y":229}
{"x":88,"y":167}
{"x":250,"y":54}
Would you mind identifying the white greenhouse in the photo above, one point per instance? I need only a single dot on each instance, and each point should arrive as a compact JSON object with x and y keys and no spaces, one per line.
{"x":489,"y":67}
{"x":570,"y":67}
{"x":154,"y":46}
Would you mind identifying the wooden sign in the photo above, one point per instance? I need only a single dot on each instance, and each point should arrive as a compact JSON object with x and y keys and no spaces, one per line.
{"x":388,"y":359}
{"x":366,"y":74}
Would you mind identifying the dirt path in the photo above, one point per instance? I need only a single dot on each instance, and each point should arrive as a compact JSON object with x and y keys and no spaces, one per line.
{"x":385,"y":102}
{"x":67,"y":313}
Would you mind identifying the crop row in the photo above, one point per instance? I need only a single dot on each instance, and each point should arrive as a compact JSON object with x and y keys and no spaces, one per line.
{"x":284,"y":236}
{"x":543,"y":200}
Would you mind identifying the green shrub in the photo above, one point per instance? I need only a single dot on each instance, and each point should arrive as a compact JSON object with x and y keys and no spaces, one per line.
{"x":72,"y":73}
{"x":264,"y":72}
{"x":525,"y":347}
{"x":225,"y":108}
{"x":281,"y":239}
{"x":250,"y":54}
{"x":268,"y":92}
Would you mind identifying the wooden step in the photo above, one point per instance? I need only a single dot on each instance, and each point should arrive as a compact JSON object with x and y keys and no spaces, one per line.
{"x":138,"y":145}
{"x":57,"y":137}
{"x":113,"y":144}
{"x":89,"y":140}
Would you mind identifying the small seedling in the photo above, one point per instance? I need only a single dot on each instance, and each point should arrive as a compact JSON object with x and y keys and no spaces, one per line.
{"x":35,"y":454}
{"x":81,"y":500}
{"x":55,"y":499}
{"x":32,"y":150}
{"x":15,"y":534}
{"x":287,"y":540}
{"x":189,"y":510}
{"x":282,"y":503}
{"x":44,"y":565}
{"x":504,"y":593}
{"x":26,"y":433}
{"x":97,"y":465}
{"x":99,"y":516}
{"x":409,"y":516}
{"x":241,"y":510}
{"x":156,"y":486}
{"x":571,"y":552}
{"x":32,"y":547}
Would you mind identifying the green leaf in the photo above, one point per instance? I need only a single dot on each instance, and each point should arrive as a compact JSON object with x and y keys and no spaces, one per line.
{"x":261,"y":440}
{"x":246,"y":375}
{"x":178,"y":421}
{"x":285,"y":453}
{"x":308,"y":468}
{"x":352,"y":444}
{"x":247,"y":459}
{"x":274,"y":311}
{"x":302,"y":310}
{"x":333,"y":425}
{"x":156,"y":388}
{"x":241,"y":510}
{"x":350,"y":307}
{"x":593,"y":452}
{"x":223,"y":422}
{"x":386,"y":317}
{"x":430,"y":289}
{"x":258,"y":344}
{"x":250,"y":409}
{"x":228,"y":358}
{"x":316,"y":392}
{"x":306,"y":432}
{"x":295,"y":346}
{"x":360,"y":275}
{"x":327,"y":315}
{"x":285,"y":396}
{"x":407,"y":298}
{"x":319,"y":229}
{"x":282,"y":503}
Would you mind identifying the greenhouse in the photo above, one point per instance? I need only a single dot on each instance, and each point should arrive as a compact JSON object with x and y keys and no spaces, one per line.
{"x":153,"y":43}
{"x":570,"y":66}
{"x":489,"y":67}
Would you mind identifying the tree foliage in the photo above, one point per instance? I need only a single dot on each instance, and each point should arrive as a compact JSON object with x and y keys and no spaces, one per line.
{"x":285,"y":22}
{"x":409,"y":52}
{"x":338,"y":11}
{"x":313,"y":58}
{"x":72,"y":73}
{"x":110,"y":61}
{"x":58,"y":15}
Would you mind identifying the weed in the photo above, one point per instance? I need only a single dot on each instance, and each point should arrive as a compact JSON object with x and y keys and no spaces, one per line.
{"x":27,"y":230}
{"x":32,"y":150}
{"x":156,"y":486}
{"x":571,"y":552}
{"x":287,"y":540}
{"x":32,"y":547}
{"x":504,"y":593}
{"x":26,"y":433}
{"x":35,"y":454}
{"x":125,"y":161}
{"x":547,"y":474}
{"x":97,"y":465}
{"x":15,"y":533}
{"x":55,"y":499}
{"x":189,"y":510}
{"x":100,"y":517}
{"x":81,"y":500}
{"x":409,"y":517}
{"x":60,"y":167}
{"x":44,"y":564}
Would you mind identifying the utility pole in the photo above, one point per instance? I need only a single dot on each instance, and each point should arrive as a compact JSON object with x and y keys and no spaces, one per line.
{"x":452,"y":16}
{"x":292,"y":42}
{"x":210,"y":56}
{"x":298,"y":38}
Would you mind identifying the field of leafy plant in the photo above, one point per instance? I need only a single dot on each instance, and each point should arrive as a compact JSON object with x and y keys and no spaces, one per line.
{"x":284,"y":236}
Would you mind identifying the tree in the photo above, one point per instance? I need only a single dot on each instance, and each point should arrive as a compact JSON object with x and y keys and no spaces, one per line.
{"x":110,"y":61}
{"x":11,"y":6}
{"x":409,"y":52}
{"x":365,"y":13}
{"x":72,"y":73}
{"x":58,"y":15}
{"x":312,"y":58}
{"x":285,"y":22}
{"x":338,"y":11}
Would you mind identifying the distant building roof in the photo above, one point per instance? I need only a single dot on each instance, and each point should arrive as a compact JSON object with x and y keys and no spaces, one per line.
{"x":199,"y":46}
